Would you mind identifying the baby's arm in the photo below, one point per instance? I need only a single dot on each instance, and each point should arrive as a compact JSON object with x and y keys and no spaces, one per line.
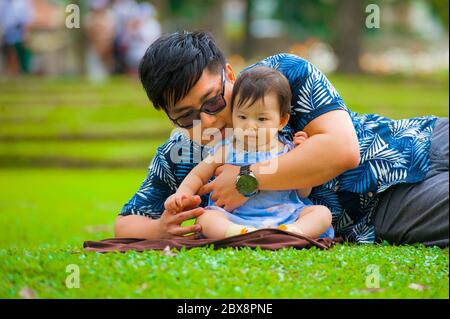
{"x":196,"y":178}
{"x":299,"y":139}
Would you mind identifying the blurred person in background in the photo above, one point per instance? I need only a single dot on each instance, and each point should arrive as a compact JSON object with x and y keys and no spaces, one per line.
{"x":142,"y":29}
{"x":46,"y":37}
{"x":15,"y":17}
{"x":123,"y":11}
{"x":100,"y":25}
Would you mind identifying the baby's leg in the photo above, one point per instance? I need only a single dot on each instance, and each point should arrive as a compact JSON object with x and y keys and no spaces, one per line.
{"x":216,"y":225}
{"x":313,"y":221}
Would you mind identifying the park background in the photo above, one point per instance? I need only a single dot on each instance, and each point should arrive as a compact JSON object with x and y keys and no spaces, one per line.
{"x":77,"y":134}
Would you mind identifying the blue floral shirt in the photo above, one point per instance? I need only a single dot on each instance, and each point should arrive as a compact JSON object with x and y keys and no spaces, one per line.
{"x":392,"y":151}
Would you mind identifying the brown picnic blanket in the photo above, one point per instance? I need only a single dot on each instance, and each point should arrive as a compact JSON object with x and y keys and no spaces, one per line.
{"x":271,"y":239}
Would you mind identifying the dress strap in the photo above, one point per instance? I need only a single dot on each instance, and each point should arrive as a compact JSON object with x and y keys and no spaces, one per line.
{"x":288,"y":145}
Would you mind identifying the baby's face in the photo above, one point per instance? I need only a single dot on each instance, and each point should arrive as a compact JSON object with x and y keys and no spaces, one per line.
{"x":257,"y":125}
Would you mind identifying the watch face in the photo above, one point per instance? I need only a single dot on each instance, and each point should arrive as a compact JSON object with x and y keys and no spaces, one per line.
{"x":246,"y":184}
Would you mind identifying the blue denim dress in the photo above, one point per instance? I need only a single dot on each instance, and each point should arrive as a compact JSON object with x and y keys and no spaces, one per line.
{"x":267,"y":209}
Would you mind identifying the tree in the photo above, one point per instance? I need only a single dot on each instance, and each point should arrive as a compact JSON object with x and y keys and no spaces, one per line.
{"x":349,"y":30}
{"x":440,"y":9}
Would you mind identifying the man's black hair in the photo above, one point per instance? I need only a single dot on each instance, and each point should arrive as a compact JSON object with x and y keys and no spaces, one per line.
{"x":173,"y":64}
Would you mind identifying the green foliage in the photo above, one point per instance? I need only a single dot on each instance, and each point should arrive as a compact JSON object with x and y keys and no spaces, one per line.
{"x":440,"y":10}
{"x":307,"y":18}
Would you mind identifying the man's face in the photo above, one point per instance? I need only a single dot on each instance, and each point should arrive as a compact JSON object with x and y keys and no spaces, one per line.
{"x":207,"y":87}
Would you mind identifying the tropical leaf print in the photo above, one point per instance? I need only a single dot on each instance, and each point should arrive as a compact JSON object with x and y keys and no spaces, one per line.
{"x":294,"y":67}
{"x":344,"y":224}
{"x":406,"y":127}
{"x":161,"y":168}
{"x":316,"y":92}
{"x":363,"y":233}
{"x":323,"y":196}
{"x":367,"y":205}
{"x":358,"y":180}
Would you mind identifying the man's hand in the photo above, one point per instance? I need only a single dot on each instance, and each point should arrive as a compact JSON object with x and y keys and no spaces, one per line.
{"x":170,"y":221}
{"x":223,"y":188}
{"x":300,"y":137}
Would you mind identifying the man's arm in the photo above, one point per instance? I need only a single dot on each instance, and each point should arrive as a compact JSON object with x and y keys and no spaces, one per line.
{"x":196,"y":178}
{"x":144,"y":215}
{"x":299,"y":138}
{"x":167,"y":226}
{"x":331,"y":149}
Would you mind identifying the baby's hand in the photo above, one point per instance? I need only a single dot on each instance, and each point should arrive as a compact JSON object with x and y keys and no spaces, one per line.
{"x":300,"y":138}
{"x":173,"y":203}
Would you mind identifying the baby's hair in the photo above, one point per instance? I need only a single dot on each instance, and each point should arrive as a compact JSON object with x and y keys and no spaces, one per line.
{"x":255,"y":83}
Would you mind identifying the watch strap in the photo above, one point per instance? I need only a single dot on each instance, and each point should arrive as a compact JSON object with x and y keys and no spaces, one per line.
{"x":244,"y":170}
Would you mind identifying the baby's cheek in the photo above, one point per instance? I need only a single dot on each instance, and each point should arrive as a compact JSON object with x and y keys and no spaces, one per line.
{"x":272,"y":133}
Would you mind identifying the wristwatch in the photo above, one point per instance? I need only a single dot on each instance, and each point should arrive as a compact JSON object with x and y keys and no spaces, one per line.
{"x":246,"y":182}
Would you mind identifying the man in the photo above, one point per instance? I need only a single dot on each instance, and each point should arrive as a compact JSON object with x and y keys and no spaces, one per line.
{"x":375,"y":174}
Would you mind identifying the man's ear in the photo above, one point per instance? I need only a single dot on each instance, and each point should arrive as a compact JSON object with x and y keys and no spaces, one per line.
{"x":229,"y":73}
{"x":284,"y":121}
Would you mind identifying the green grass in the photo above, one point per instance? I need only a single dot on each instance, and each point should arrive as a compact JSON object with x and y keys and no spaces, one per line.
{"x":227,"y":273}
{"x":47,"y":213}
{"x":54,"y":206}
{"x":127,"y":152}
{"x":75,"y":120}
{"x":394,"y":97}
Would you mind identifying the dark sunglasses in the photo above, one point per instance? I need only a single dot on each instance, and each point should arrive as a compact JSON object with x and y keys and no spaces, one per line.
{"x":211,"y":107}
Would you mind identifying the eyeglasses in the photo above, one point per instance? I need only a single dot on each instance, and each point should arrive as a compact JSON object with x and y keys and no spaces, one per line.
{"x":211,"y":107}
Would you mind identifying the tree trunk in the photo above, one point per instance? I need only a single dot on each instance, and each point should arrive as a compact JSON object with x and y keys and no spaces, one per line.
{"x":349,"y":29}
{"x":215,"y":23}
{"x":81,"y":41}
{"x":247,"y":48}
